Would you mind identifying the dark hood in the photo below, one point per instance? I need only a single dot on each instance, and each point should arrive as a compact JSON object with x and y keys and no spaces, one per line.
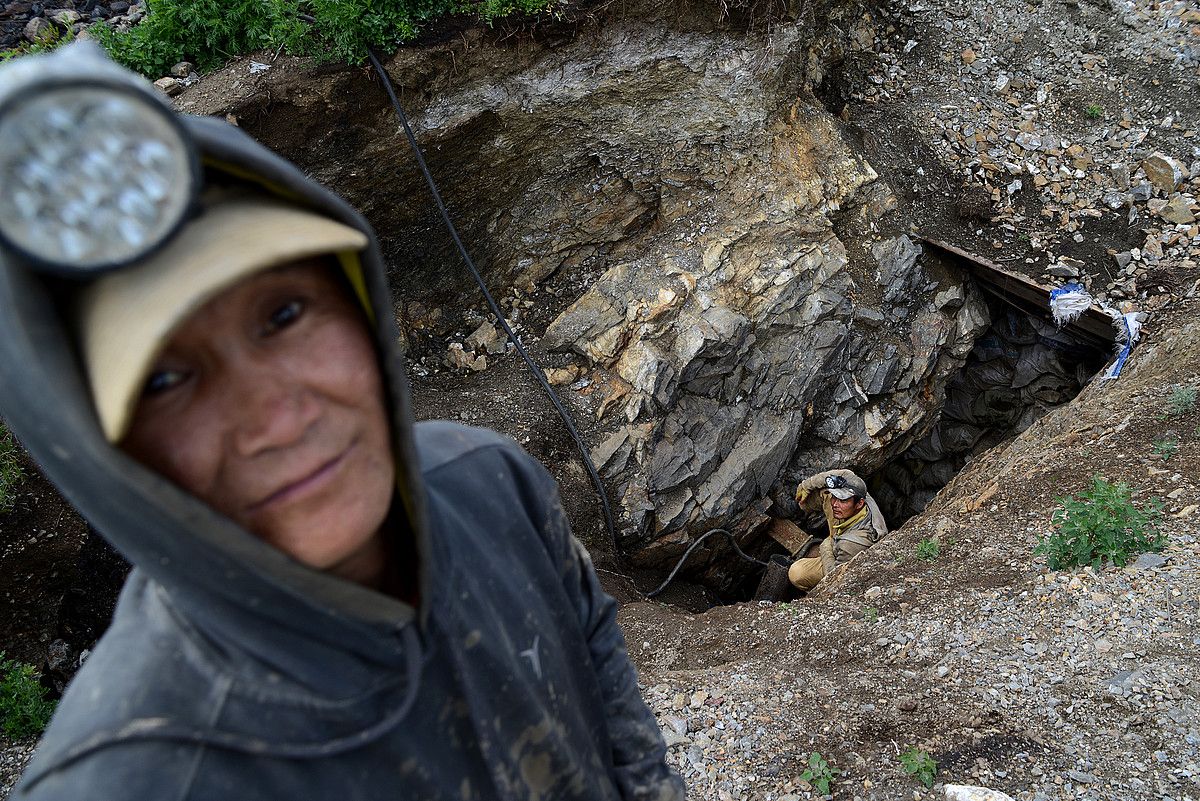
{"x":227,"y":582}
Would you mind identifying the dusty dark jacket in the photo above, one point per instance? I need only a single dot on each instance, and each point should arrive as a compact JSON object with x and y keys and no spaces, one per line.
{"x":234,"y":672}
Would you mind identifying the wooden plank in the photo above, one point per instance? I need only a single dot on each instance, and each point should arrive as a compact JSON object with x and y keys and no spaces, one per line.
{"x":1028,"y":295}
{"x":788,"y":534}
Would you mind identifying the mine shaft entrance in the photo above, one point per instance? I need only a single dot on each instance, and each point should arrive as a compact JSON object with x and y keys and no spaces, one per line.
{"x":1019,"y":369}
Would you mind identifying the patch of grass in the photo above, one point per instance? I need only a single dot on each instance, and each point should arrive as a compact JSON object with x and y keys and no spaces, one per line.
{"x":24,"y":708}
{"x":1094,"y":111}
{"x":11,"y":473}
{"x":928,"y":549}
{"x":871,"y":614}
{"x":1181,"y":400}
{"x":819,"y":773}
{"x":919,"y":765}
{"x":1102,"y":525}
{"x":210,"y":32}
{"x":1165,"y":448}
{"x":789,"y":607}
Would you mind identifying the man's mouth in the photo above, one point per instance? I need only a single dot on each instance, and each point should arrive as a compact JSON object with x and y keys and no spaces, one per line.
{"x":310,"y":482}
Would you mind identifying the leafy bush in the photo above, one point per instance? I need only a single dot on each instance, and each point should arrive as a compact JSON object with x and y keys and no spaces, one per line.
{"x":820,"y":774}
{"x":10,"y":470}
{"x":928,"y":549}
{"x":1102,"y":525}
{"x":24,"y":708}
{"x":919,"y":765}
{"x":210,"y":32}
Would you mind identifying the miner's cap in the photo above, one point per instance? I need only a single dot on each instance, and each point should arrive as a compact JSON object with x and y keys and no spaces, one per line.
{"x":846,"y":487}
{"x":125,"y":318}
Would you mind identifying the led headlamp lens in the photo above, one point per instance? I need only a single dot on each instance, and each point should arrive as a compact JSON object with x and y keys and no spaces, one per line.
{"x":91,"y":177}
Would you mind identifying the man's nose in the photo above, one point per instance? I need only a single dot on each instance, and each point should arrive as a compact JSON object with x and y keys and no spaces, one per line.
{"x":273,"y":409}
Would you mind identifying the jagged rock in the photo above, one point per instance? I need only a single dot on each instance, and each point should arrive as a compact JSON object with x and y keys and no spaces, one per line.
{"x":1178,"y":210}
{"x":169,"y":86}
{"x":486,"y":338}
{"x":558,"y":376}
{"x":456,"y":356}
{"x":65,"y":17}
{"x":39,"y":30}
{"x":1164,"y":172}
{"x":183,"y":69}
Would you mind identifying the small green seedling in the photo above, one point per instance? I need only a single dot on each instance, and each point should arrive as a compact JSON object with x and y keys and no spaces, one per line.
{"x":820,"y":774}
{"x":1094,"y":111}
{"x":1102,"y":525}
{"x":928,"y":549}
{"x":1165,"y":448}
{"x":919,"y":765}
{"x":1181,"y":400}
{"x":24,"y":708}
{"x":871,"y":614}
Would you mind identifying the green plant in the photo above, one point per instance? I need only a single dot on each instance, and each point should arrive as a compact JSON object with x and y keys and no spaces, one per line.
{"x":919,"y":765}
{"x":1181,"y":400}
{"x":24,"y":708}
{"x":871,"y":614}
{"x":820,"y":774}
{"x":1102,"y":525}
{"x":1094,"y":111}
{"x":11,"y":473}
{"x":52,"y":41}
{"x":210,"y":32}
{"x":1165,"y":448}
{"x":928,"y":549}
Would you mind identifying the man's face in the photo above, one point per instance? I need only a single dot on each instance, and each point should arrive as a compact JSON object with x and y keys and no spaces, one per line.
{"x":848,"y":508}
{"x":267,"y":404}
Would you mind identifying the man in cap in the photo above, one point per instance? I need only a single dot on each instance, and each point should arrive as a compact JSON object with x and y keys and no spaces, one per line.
{"x":328,"y":600}
{"x":851,"y":515}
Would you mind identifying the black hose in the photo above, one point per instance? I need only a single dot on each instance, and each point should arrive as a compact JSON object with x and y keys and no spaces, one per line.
{"x":696,"y":545}
{"x":533,"y":366}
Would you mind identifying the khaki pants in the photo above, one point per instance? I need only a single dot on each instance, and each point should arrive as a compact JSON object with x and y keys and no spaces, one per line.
{"x":805,"y":573}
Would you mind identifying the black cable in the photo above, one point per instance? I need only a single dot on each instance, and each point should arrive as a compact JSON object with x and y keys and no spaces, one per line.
{"x":696,"y":545}
{"x":533,"y":367}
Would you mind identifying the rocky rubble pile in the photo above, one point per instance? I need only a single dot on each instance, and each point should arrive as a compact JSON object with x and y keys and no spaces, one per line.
{"x":1055,"y":113}
{"x":24,"y":23}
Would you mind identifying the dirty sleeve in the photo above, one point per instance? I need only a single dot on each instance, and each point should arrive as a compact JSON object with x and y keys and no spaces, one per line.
{"x":638,"y":751}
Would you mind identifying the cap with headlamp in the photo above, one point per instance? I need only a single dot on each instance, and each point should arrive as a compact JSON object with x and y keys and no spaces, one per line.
{"x":96,"y":171}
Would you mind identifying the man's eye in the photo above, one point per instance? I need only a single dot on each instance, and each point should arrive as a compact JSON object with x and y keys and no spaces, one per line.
{"x":162,"y":380}
{"x":284,"y":316}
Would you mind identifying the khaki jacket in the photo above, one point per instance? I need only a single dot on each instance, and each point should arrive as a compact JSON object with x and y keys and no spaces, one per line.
{"x":840,"y":548}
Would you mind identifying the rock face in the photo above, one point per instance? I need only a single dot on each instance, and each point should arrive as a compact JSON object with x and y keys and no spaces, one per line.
{"x":751,"y":318}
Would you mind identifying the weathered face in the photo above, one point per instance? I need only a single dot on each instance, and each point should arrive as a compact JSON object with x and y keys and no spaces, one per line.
{"x":267,"y":404}
{"x":847,"y":508}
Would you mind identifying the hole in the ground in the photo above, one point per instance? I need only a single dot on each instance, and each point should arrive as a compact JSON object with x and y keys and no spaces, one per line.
{"x":1019,"y":369}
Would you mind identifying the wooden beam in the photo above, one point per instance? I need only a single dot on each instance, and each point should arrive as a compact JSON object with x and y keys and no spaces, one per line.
{"x":1028,"y":295}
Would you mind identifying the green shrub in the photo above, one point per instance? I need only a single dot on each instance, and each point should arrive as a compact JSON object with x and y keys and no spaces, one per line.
{"x":928,"y":549}
{"x":820,"y":774}
{"x":24,"y":708}
{"x":11,"y":473}
{"x":1102,"y":525}
{"x":210,"y":32}
{"x":919,"y":765}
{"x":1181,"y":400}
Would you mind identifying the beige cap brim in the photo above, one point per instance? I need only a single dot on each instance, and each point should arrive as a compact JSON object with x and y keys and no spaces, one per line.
{"x":126,"y":317}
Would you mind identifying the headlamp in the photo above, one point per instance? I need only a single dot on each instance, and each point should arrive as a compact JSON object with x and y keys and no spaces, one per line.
{"x":835,"y":482}
{"x":95,"y":170}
